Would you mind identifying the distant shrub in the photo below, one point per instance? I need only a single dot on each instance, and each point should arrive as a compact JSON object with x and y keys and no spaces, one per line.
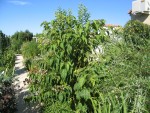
{"x":29,"y":49}
{"x":136,"y":32}
{"x":18,"y":38}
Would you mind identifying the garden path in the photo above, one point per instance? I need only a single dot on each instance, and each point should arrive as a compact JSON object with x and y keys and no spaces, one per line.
{"x":21,"y":89}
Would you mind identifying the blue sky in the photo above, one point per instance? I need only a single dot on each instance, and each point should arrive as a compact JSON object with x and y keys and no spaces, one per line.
{"x":16,"y":15}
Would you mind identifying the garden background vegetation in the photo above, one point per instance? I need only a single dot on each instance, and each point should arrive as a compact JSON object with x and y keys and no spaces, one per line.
{"x":67,"y":75}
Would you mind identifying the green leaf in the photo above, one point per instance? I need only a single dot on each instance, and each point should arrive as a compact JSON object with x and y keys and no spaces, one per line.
{"x":57,"y":64}
{"x":62,"y":54}
{"x":80,"y":83}
{"x":62,"y":45}
{"x":84,"y":39}
{"x":80,"y":31}
{"x":85,"y":93}
{"x":64,"y":74}
{"x":60,"y":96}
{"x":94,"y":104}
{"x":67,"y":66}
{"x":50,"y":62}
{"x":87,"y":26}
{"x":78,"y":95}
{"x":69,"y":49}
{"x":93,"y":79}
{"x":61,"y":65}
{"x":54,"y":47}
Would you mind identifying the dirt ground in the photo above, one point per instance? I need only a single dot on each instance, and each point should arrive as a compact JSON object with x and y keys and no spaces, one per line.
{"x":21,"y":89}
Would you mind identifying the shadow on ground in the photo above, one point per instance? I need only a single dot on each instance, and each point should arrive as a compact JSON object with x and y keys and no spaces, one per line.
{"x":20,"y":71}
{"x":26,"y":107}
{"x":21,"y":92}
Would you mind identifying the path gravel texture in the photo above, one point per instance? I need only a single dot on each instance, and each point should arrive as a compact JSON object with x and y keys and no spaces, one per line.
{"x":21,"y":89}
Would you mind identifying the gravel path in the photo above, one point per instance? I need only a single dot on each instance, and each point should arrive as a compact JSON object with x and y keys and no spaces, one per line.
{"x":21,"y":89}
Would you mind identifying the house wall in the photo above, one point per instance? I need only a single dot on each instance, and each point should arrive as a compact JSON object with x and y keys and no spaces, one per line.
{"x":145,"y":18}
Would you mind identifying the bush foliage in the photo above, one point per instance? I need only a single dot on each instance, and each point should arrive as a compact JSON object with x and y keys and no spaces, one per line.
{"x":18,"y":38}
{"x":7,"y":59}
{"x":66,"y":78}
{"x":30,"y":49}
{"x":136,"y":32}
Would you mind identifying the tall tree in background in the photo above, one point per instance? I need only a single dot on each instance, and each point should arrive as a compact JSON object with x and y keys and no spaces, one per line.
{"x":4,"y":42}
{"x":23,"y":36}
{"x":19,"y":37}
{"x":83,"y":14}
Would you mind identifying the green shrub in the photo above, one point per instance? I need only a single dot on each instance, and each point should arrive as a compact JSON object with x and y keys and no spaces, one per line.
{"x":65,"y":79}
{"x":60,"y":76}
{"x":30,"y":49}
{"x":136,"y":32}
{"x":7,"y":96}
{"x":7,"y":60}
{"x":27,"y":63}
{"x":128,"y":72}
{"x":18,"y":38}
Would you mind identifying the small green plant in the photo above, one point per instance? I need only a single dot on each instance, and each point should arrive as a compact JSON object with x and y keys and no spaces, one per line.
{"x":30,"y":49}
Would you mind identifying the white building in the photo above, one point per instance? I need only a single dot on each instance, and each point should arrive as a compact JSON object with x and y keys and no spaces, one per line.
{"x":141,"y":11}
